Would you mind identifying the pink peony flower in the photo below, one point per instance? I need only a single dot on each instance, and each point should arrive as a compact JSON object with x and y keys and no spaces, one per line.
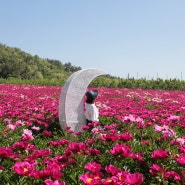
{"x":5,"y":152}
{"x":121,"y":149}
{"x":136,"y":156}
{"x":180,"y":158}
{"x":35,"y":128}
{"x":78,"y":133}
{"x":125,"y":177}
{"x":74,"y":146}
{"x":46,"y":133}
{"x":41,"y":153}
{"x":1,"y":168}
{"x":155,"y":169}
{"x":27,"y":135}
{"x":112,"y":170}
{"x":134,"y":179}
{"x":91,"y":179}
{"x":58,"y":143}
{"x":160,"y":154}
{"x":108,"y":181}
{"x":19,"y":123}
{"x":12,"y":127}
{"x":23,"y":168}
{"x":172,"y":174}
{"x":93,"y":151}
{"x":180,"y":141}
{"x":85,"y":127}
{"x":125,"y":136}
{"x":93,"y":167}
{"x":23,"y":145}
{"x":50,"y":182}
{"x":110,"y":137}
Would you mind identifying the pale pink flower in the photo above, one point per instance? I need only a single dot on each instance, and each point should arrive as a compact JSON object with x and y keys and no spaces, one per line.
{"x":11,"y":126}
{"x":27,"y":134}
{"x":158,"y":128}
{"x":7,"y":121}
{"x":35,"y":128}
{"x":180,"y":141}
{"x":19,"y":123}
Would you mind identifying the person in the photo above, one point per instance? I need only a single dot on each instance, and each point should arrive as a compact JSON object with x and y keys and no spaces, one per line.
{"x":91,"y":111}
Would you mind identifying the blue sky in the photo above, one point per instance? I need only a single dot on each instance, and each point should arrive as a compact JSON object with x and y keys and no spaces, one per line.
{"x":142,"y":38}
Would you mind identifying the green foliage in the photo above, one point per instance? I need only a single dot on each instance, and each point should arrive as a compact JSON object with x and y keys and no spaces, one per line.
{"x":18,"y":64}
{"x":18,"y":67}
{"x":72,"y":172}
{"x":115,"y":82}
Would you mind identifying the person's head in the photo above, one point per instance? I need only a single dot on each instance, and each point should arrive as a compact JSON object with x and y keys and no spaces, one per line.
{"x":91,"y":96}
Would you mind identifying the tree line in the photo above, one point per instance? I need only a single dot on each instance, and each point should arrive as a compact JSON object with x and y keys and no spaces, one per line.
{"x":15,"y":63}
{"x":19,"y":67}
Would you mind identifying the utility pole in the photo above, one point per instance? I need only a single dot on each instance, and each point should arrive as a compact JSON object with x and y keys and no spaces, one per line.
{"x":128,"y":76}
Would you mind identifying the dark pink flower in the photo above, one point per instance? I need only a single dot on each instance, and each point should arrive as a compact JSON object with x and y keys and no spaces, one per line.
{"x":180,"y":158}
{"x":121,"y":149}
{"x":24,"y":145}
{"x":85,"y":127}
{"x":55,"y":170}
{"x":125,"y":136}
{"x":136,"y":156}
{"x":75,"y":146}
{"x":41,"y":153}
{"x":58,"y":143}
{"x":156,"y":170}
{"x":42,"y":174}
{"x":93,"y":151}
{"x":91,"y":179}
{"x":112,"y":170}
{"x":93,"y":167}
{"x":90,"y":141}
{"x":172,"y":174}
{"x":108,"y":181}
{"x":134,"y":179}
{"x":46,"y":133}
{"x":5,"y":152}
{"x":1,"y":168}
{"x":145,"y":142}
{"x":50,"y":182}
{"x":78,"y":133}
{"x":23,"y":168}
{"x":160,"y":154}
{"x":110,"y":137}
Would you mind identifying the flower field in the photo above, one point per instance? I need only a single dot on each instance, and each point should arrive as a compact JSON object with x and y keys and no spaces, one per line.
{"x":140,"y":139}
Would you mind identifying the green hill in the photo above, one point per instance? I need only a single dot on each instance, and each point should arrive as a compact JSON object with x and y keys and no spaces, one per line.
{"x":19,"y":67}
{"x":15,"y":63}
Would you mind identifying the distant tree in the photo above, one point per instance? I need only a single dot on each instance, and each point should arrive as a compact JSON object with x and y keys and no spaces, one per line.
{"x":69,"y":68}
{"x":56,"y":63}
{"x":18,"y":64}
